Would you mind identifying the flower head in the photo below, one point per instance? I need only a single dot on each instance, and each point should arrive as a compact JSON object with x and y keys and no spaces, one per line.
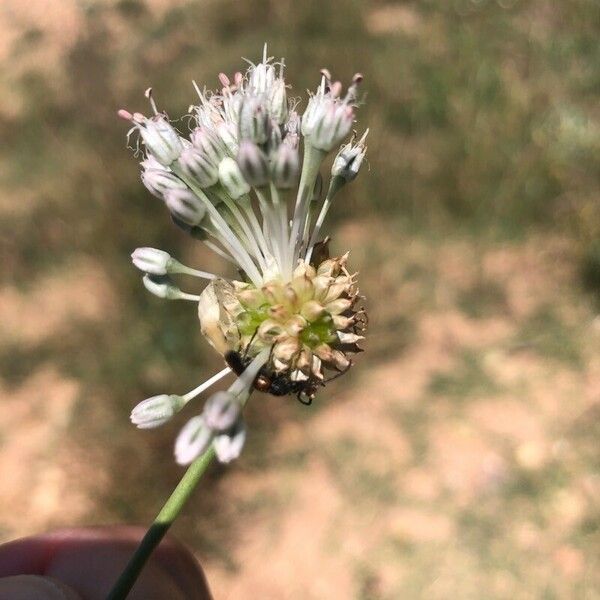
{"x":291,"y":319}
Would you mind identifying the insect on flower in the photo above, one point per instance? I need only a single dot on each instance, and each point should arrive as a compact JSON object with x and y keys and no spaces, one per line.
{"x":290,"y":321}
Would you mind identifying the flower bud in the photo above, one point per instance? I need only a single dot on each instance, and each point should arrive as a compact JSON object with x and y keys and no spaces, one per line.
{"x":278,"y":106}
{"x":254,"y":122}
{"x":228,"y":134}
{"x":151,"y":260}
{"x":193,"y":440}
{"x":209,"y":143}
{"x":285,"y":167}
{"x":261,"y":78}
{"x":332,"y":126}
{"x":159,"y":136}
{"x":221,"y":411}
{"x":253,"y":164}
{"x":199,"y":167}
{"x":156,"y":411}
{"x":228,"y":446}
{"x":162,"y":287}
{"x":349,"y":159}
{"x":158,"y":182}
{"x":232,"y":179}
{"x":186,"y":206}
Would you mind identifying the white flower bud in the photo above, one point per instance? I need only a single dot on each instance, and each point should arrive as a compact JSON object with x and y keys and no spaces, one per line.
{"x":159,"y":181}
{"x":221,"y":411}
{"x":185,"y":206}
{"x":228,"y":134}
{"x":151,"y":260}
{"x":332,"y":124}
{"x":285,"y":167}
{"x":254,"y":122}
{"x":209,"y":143}
{"x":156,"y":411}
{"x":199,"y":167}
{"x":253,"y":164}
{"x":261,"y":78}
{"x":278,"y":105}
{"x":232,"y":179}
{"x":159,"y":136}
{"x":192,"y":441}
{"x":162,"y":287}
{"x":228,"y":446}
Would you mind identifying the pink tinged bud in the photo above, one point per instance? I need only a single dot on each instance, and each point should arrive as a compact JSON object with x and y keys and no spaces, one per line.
{"x":185,"y":206}
{"x":161,"y":139}
{"x":285,"y":167}
{"x":253,"y":164}
{"x":156,"y":411}
{"x":125,"y":114}
{"x":228,"y":446}
{"x":151,"y":260}
{"x":254,"y":121}
{"x":232,"y":179}
{"x":199,"y":167}
{"x":192,"y":441}
{"x":221,"y":411}
{"x":158,"y":182}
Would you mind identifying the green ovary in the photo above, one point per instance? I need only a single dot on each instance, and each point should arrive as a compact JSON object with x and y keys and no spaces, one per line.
{"x":321,"y":331}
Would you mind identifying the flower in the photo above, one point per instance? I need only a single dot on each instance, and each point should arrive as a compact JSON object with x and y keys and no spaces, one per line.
{"x":291,"y":319}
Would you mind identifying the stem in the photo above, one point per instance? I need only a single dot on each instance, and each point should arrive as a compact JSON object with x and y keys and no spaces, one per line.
{"x":160,"y":526}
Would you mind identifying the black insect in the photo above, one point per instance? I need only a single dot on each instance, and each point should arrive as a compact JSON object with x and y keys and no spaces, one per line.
{"x":273,"y":383}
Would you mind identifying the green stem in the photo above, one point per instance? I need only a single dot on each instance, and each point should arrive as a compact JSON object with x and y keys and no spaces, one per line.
{"x":160,"y":526}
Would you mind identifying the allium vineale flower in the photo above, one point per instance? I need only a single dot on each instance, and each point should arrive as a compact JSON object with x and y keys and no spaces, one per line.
{"x":247,"y":184}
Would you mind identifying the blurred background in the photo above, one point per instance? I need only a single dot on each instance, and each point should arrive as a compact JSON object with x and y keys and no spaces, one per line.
{"x":460,"y":457}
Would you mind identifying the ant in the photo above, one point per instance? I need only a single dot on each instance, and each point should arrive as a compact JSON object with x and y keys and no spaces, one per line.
{"x":272,"y":383}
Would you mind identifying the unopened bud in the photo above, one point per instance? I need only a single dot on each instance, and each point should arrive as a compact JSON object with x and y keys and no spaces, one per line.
{"x":199,"y":167}
{"x":159,"y":181}
{"x":151,"y":260}
{"x":156,"y":411}
{"x":159,"y":136}
{"x":254,"y":122}
{"x":261,"y":78}
{"x":278,"y":105}
{"x":285,"y":167}
{"x":232,"y":179}
{"x":221,"y":411}
{"x":253,"y":164}
{"x":209,"y":143}
{"x":162,"y":287}
{"x":186,"y":206}
{"x":193,"y":440}
{"x":228,"y":446}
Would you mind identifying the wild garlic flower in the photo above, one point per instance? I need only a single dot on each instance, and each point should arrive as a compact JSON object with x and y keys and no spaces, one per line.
{"x":290,"y":321}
